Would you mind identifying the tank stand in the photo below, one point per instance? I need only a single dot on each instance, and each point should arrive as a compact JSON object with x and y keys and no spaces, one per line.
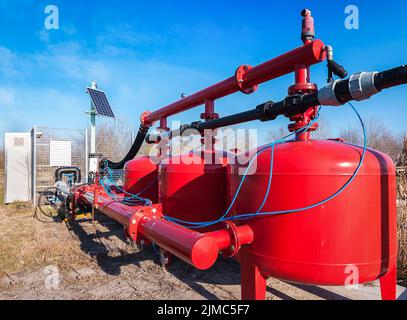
{"x":388,"y":284}
{"x":253,"y":284}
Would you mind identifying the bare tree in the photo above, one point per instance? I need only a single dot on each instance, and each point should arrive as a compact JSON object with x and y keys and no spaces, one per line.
{"x":322,"y":132}
{"x":276,"y":134}
{"x":324,"y":129}
{"x":379,"y":137}
{"x":114,"y":139}
{"x":403,"y":156}
{"x":2,"y":158}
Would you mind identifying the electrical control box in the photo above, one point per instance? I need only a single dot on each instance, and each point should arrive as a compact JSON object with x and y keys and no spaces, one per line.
{"x":18,"y":167}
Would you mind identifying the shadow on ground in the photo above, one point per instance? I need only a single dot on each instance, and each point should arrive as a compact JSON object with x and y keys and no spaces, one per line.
{"x":107,"y":244}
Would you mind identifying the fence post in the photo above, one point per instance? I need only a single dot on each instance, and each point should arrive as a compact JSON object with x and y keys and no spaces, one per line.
{"x":34,"y":166}
{"x":86,"y":157}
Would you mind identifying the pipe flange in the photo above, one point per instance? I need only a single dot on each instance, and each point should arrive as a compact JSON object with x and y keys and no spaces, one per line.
{"x":240,"y":79}
{"x":303,"y":88}
{"x":132,"y":229}
{"x":143,"y":119}
{"x":209,"y":116}
{"x":234,"y":247}
{"x":135,"y":219}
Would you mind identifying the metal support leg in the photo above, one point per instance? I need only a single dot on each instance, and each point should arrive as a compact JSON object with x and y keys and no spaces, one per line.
{"x":74,"y":199}
{"x":253,"y":283}
{"x":388,"y":284}
{"x":94,"y":208}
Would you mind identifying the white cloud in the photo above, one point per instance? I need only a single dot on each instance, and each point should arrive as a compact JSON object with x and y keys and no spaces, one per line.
{"x":67,"y":61}
{"x":69,"y":30}
{"x":44,"y":35}
{"x":7,"y":62}
{"x":127,"y":35}
{"x":55,"y":79}
{"x":7,"y":97}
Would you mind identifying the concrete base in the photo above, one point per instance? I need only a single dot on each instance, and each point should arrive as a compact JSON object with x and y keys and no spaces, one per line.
{"x":366,"y":292}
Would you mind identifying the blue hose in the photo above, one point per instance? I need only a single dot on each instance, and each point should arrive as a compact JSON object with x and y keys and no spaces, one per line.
{"x":133,"y":199}
{"x":271,"y":145}
{"x":258,"y":213}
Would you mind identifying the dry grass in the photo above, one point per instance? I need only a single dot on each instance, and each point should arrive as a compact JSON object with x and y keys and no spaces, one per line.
{"x":402,"y":241}
{"x":1,"y":187}
{"x":402,"y":228}
{"x":28,"y":243}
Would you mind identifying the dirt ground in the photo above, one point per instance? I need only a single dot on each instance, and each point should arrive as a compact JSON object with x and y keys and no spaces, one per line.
{"x":83,"y":261}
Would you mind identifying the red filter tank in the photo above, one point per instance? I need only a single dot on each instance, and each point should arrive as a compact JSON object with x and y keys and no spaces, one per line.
{"x":141,"y":177}
{"x":352,"y":236}
{"x":192,"y":188}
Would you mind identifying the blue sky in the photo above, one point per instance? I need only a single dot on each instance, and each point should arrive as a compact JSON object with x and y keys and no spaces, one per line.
{"x":144,"y":54}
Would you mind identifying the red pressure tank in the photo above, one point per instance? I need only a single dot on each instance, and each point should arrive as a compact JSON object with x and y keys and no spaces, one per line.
{"x":141,"y":177}
{"x":192,"y":186}
{"x":354,"y":232}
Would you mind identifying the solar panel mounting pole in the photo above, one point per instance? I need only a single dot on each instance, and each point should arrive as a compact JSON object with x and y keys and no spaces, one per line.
{"x":93,"y":160}
{"x":100,"y":107}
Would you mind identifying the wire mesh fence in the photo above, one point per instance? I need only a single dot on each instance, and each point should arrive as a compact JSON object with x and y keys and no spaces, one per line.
{"x":60,"y":147}
{"x":113,"y":145}
{"x":51,"y":145}
{"x":55,"y":147}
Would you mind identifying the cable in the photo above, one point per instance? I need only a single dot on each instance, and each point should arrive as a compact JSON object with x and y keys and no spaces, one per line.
{"x":271,"y":145}
{"x":136,"y":198}
{"x":223,"y":217}
{"x":131,"y":199}
{"x":362,"y":158}
{"x":258,"y":213}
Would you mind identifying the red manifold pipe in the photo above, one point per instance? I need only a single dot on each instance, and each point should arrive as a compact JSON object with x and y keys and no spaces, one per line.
{"x":198,"y":249}
{"x":122,"y":216}
{"x":308,"y":54}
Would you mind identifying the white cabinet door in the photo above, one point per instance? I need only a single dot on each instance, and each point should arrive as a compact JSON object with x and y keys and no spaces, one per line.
{"x":17,"y":167}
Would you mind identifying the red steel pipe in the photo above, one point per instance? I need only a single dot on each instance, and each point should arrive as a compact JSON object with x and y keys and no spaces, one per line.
{"x":244,"y":234}
{"x":198,"y":249}
{"x":109,"y":208}
{"x":308,"y":54}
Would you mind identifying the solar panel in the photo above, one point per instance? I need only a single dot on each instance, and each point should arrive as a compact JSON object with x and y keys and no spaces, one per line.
{"x":100,"y":103}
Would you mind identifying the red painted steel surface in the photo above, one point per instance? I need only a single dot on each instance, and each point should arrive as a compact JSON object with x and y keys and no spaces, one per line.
{"x":320,"y":245}
{"x":192,"y":188}
{"x":308,"y":54}
{"x":141,"y":177}
{"x":114,"y":210}
{"x":253,"y":282}
{"x":199,"y":249}
{"x":196,"y":248}
{"x":350,"y":237}
{"x":388,"y":284}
